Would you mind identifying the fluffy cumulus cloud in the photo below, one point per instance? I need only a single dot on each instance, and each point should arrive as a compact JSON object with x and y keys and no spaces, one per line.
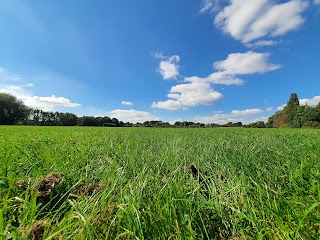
{"x":44,"y":103}
{"x":245,"y":63}
{"x":311,"y":102}
{"x":12,"y":84}
{"x":132,"y":116}
{"x":169,"y":105}
{"x":189,"y":94}
{"x":233,"y":116}
{"x":248,"y":20}
{"x":194,"y":93}
{"x":304,"y":101}
{"x":49,"y":103}
{"x":237,"y":64}
{"x":168,"y":66}
{"x":199,"y":90}
{"x":126,"y":103}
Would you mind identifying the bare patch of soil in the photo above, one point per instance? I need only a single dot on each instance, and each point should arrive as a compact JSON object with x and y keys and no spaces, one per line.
{"x":88,"y":190}
{"x":37,"y":230}
{"x":46,"y":185}
{"x":21,"y":184}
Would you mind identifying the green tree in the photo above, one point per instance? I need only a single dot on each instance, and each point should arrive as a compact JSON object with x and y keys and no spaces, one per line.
{"x":293,"y":111}
{"x":293,"y":101}
{"x":12,"y":110}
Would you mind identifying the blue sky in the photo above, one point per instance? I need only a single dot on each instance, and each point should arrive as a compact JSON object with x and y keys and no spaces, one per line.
{"x":194,"y":60}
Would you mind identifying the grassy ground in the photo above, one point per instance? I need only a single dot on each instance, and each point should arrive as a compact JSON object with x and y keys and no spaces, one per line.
{"x":135,"y":183}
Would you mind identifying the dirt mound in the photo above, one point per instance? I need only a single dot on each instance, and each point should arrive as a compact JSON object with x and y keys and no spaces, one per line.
{"x":46,"y":185}
{"x":88,"y":190}
{"x":21,"y":184}
{"x":37,"y":230}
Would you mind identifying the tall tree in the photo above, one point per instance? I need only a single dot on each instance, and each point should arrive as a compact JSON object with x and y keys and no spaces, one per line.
{"x":12,"y":110}
{"x":293,"y":101}
{"x":293,"y":111}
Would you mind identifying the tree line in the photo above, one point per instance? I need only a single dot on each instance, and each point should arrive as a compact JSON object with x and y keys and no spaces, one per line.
{"x":13,"y":111}
{"x":295,"y":115}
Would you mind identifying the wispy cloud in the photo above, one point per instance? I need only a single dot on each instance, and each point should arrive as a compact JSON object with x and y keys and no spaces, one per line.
{"x":261,"y":43}
{"x":209,"y":5}
{"x":126,"y":103}
{"x":132,"y":116}
{"x":246,"y":112}
{"x":316,"y":1}
{"x":247,"y":20}
{"x":6,"y":76}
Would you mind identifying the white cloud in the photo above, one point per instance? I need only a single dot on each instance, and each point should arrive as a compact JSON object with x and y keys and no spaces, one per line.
{"x":168,"y":67}
{"x":311,"y":102}
{"x":316,"y":1}
{"x":209,"y":5}
{"x":18,"y":91}
{"x":132,"y":116}
{"x":280,"y":108}
{"x":269,"y":109}
{"x":304,"y":101}
{"x":189,"y":94}
{"x":245,"y":63}
{"x":44,"y":103}
{"x":234,"y":116}
{"x":126,"y":103}
{"x":169,"y":105}
{"x":246,"y":112}
{"x":261,"y":43}
{"x":224,"y":78}
{"x":237,"y":64}
{"x":195,"y":93}
{"x":49,"y":103}
{"x":248,"y":20}
{"x":198,"y":90}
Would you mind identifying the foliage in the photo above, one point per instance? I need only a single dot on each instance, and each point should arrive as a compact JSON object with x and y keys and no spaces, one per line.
{"x":295,"y":116}
{"x":12,"y":110}
{"x":42,"y":118}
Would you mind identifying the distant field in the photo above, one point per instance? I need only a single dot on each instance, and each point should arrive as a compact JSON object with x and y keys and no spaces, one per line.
{"x":135,"y":183}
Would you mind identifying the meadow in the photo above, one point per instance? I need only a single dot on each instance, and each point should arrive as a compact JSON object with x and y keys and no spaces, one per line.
{"x":135,"y":183}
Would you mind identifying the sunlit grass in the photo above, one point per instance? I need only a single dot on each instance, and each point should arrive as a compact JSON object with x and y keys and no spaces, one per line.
{"x":261,"y":183}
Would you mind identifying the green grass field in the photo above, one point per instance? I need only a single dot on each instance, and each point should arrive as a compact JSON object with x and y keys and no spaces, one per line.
{"x":256,"y":183}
